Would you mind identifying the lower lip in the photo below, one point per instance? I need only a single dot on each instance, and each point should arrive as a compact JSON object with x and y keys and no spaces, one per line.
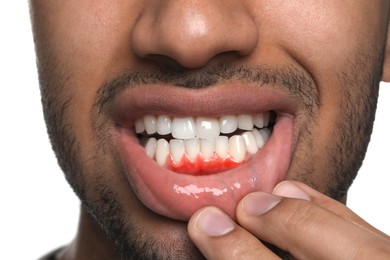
{"x":178,"y":196}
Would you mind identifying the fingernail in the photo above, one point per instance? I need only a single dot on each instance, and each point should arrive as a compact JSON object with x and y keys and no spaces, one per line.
{"x":258,"y":203}
{"x":290,"y":190}
{"x":213,"y":222}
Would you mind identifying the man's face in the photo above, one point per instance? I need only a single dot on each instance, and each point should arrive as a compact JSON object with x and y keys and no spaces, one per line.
{"x":149,"y":104}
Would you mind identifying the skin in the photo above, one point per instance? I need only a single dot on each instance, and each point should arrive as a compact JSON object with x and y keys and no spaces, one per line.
{"x":340,"y":46}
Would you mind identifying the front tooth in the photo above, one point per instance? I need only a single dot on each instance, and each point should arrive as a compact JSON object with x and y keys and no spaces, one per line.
{"x":250,"y":142}
{"x":245,"y":122}
{"x":228,"y":124}
{"x":192,"y":147}
{"x":139,"y":126}
{"x":265,"y":133}
{"x":162,"y":151}
{"x":221,"y":146}
{"x":150,"y":124}
{"x":259,"y":138}
{"x":237,"y":148}
{"x":150,"y":147}
{"x":177,"y":150}
{"x":207,"y":147}
{"x":164,"y":125}
{"x":183,"y":128}
{"x":207,"y":127}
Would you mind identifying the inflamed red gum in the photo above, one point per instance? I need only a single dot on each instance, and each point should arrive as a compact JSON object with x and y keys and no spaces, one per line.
{"x":201,"y":166}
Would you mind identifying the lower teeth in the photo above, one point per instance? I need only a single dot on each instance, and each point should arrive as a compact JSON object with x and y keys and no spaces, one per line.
{"x":206,"y":156}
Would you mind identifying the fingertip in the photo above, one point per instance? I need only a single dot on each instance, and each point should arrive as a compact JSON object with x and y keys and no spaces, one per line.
{"x":217,"y":236}
{"x":290,"y":190}
{"x":258,"y":203}
{"x":211,"y":221}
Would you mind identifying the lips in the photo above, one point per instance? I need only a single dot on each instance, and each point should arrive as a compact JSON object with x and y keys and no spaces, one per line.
{"x":177,"y":195}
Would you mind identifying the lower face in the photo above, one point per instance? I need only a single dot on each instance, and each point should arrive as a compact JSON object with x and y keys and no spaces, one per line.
{"x":145,"y":145}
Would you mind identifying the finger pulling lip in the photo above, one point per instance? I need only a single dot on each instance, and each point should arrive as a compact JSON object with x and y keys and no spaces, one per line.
{"x":178,"y":196}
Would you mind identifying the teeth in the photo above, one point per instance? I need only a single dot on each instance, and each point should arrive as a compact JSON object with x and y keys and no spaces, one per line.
{"x":207,"y":147}
{"x":163,"y":125}
{"x":201,"y":127}
{"x":266,"y":119}
{"x":207,"y":127}
{"x":237,"y":148}
{"x":221,"y":146}
{"x":192,"y":147}
{"x":200,"y":136}
{"x":177,"y":149}
{"x":245,"y":122}
{"x":265,"y":133}
{"x":150,"y":147}
{"x":259,"y":138}
{"x":162,"y":151}
{"x":250,"y":142}
{"x":258,"y":120}
{"x":183,"y":128}
{"x":228,"y":124}
{"x":150,"y":124}
{"x":139,"y":126}
{"x":261,"y":120}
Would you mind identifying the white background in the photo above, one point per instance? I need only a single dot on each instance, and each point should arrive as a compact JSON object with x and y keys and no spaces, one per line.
{"x":38,"y":210}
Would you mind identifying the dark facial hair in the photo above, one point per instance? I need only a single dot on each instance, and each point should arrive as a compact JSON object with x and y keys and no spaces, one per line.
{"x":351,"y":137}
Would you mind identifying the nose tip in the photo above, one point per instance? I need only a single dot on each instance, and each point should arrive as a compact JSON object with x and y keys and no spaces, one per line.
{"x":192,"y":33}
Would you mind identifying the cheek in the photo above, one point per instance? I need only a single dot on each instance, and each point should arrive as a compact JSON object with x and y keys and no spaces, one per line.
{"x":323,"y":34}
{"x":80,"y":45}
{"x":330,"y":40}
{"x":87,"y":41}
{"x":339,"y":49}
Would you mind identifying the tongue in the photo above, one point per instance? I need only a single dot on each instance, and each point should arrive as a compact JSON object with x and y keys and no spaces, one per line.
{"x":202,"y":166}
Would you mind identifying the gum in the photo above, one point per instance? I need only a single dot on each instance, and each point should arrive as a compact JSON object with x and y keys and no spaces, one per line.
{"x":203,"y":166}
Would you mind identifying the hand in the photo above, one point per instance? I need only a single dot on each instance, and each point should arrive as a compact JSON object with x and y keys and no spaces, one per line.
{"x":296,"y":219}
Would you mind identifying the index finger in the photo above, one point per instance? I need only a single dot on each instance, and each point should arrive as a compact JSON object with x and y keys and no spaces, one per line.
{"x":307,"y":230}
{"x":285,"y":188}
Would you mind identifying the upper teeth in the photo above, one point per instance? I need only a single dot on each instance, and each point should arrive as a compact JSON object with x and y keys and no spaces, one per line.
{"x":201,"y":127}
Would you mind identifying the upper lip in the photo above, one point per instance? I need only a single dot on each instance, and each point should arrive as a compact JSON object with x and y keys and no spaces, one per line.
{"x":212,"y":101}
{"x":177,"y":195}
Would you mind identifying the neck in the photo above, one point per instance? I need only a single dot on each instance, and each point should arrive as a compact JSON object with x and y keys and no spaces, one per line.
{"x":90,"y":242}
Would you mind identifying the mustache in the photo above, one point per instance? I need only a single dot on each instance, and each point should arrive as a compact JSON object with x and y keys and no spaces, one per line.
{"x":289,"y":79}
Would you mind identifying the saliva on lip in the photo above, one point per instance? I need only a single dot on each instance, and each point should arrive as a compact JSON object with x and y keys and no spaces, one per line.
{"x":203,"y":145}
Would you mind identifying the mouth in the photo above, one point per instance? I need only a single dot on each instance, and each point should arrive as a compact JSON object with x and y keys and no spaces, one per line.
{"x":185,"y":149}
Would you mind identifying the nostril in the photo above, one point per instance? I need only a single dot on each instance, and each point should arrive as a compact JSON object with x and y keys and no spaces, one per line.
{"x":165,"y":62}
{"x":186,"y":34}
